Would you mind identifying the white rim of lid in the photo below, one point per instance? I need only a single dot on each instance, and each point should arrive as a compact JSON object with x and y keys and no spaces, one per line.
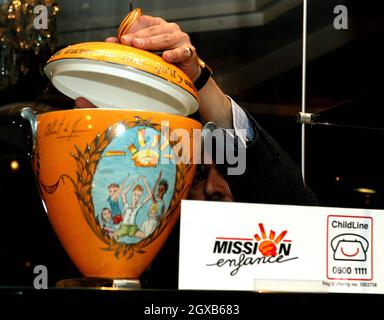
{"x":110,"y":85}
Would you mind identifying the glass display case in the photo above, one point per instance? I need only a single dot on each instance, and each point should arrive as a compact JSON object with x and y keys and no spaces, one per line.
{"x":255,"y":50}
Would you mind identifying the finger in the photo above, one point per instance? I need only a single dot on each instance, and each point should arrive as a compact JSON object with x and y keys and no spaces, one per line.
{"x":165,"y":30}
{"x":82,"y":103}
{"x":144,"y":22}
{"x":155,"y":30}
{"x":112,"y":40}
{"x":162,"y":41}
{"x":180,"y":55}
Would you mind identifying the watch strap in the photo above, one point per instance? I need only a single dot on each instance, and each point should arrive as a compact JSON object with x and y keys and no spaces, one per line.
{"x":206,"y":73}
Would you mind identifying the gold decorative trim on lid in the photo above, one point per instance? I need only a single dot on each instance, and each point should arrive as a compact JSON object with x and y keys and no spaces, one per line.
{"x":127,"y":56}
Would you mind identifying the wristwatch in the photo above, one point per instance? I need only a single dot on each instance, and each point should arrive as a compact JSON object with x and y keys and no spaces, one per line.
{"x":206,"y":73}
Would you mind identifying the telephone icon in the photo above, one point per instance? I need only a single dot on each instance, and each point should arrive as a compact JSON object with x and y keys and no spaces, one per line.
{"x":349,"y":247}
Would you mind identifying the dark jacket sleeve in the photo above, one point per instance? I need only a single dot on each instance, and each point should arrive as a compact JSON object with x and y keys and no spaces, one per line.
{"x":271,"y":176}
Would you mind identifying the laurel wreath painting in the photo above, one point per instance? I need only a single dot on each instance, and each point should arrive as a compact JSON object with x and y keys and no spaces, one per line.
{"x":87,"y":161}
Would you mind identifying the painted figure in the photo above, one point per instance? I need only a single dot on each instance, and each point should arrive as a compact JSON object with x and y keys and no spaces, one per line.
{"x":129,"y":227}
{"x":150,"y":225}
{"x":114,"y":192}
{"x":106,"y":222}
{"x":161,"y":190}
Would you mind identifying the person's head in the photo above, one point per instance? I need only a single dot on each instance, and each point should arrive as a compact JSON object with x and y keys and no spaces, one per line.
{"x":137,"y":193}
{"x":162,"y":189}
{"x":152,"y":211}
{"x":113,"y":188}
{"x":210,"y":184}
{"x":106,"y":214}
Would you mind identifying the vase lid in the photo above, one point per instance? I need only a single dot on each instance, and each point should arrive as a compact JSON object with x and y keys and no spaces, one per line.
{"x":113,"y":75}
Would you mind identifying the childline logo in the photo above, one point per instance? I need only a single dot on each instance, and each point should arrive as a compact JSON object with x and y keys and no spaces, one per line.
{"x":258,"y":250}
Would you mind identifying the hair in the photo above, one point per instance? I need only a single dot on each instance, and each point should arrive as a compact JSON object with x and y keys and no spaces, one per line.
{"x":154,"y":207}
{"x":102,"y":214}
{"x":113,"y":185}
{"x":164,"y":183}
{"x":138,"y":188}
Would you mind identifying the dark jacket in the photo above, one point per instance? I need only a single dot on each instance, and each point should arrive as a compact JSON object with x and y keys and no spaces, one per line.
{"x":271,"y":176}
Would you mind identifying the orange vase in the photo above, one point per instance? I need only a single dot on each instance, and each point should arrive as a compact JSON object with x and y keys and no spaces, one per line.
{"x":112,"y":178}
{"x":112,"y":182}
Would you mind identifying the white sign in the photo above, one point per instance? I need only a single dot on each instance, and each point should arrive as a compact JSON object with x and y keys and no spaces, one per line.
{"x":237,"y":246}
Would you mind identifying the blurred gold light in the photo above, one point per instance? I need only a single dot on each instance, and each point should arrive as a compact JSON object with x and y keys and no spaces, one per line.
{"x":15,"y":165}
{"x":366,"y":190}
{"x":16,"y":3}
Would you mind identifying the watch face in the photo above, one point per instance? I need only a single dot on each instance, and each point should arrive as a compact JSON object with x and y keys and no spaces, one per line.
{"x":201,"y":62}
